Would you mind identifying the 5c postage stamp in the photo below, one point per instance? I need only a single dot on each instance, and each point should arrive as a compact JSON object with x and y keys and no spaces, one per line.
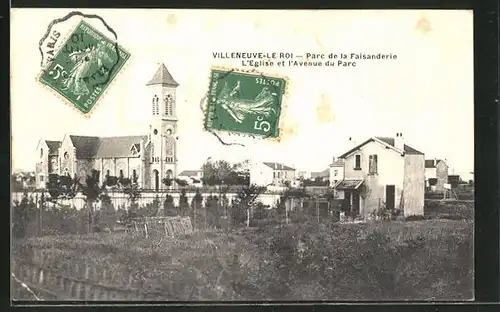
{"x":245,"y":103}
{"x":84,"y":67}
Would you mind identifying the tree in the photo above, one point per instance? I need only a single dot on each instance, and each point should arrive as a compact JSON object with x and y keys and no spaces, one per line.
{"x":181,"y":182}
{"x":167,"y":181}
{"x":196,"y":207}
{"x":245,"y":202}
{"x":169,"y":207}
{"x":183,"y":204}
{"x":22,"y":214}
{"x":62,"y":186}
{"x":92,"y":192}
{"x":130,"y":187}
{"x":222,"y":172}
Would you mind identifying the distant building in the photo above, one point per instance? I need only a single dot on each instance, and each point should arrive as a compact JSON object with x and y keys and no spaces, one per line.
{"x":383,"y":172}
{"x":454,"y":180}
{"x":303,"y":175}
{"x":193,"y":177}
{"x":321,"y":175}
{"x":271,"y":173}
{"x":436,"y":174}
{"x":150,"y":157}
{"x":336,"y":171}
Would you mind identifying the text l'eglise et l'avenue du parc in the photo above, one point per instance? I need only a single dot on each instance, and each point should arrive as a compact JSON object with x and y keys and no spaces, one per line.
{"x":257,"y":59}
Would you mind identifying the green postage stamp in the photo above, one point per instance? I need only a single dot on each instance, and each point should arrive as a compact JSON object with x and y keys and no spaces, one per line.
{"x":84,"y":67}
{"x":245,"y":103}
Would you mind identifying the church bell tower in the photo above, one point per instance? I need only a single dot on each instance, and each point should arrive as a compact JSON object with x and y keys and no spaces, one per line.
{"x":163,"y":127}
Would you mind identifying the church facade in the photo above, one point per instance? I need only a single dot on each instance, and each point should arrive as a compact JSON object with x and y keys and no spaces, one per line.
{"x":150,"y":157}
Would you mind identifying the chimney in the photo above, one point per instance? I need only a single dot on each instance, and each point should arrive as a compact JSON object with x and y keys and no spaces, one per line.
{"x":435,"y":162}
{"x":399,"y":141}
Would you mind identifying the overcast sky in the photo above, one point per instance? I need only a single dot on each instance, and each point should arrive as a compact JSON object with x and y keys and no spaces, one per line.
{"x":427,"y":93}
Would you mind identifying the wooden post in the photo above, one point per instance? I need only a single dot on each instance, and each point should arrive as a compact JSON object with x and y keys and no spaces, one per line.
{"x":146,"y":229}
{"x":286,"y":213}
{"x":317,"y":210}
{"x":165,"y":228}
{"x":248,"y":217}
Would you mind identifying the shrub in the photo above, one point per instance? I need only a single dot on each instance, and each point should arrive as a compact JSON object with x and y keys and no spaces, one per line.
{"x":23,"y":213}
{"x":417,"y":218}
{"x":183,"y":204}
{"x":169,"y":207}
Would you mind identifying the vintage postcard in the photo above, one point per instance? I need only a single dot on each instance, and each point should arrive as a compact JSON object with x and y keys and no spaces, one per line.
{"x":252,"y":155}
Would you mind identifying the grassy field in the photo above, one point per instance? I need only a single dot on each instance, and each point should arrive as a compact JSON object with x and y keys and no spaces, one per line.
{"x":399,"y":260}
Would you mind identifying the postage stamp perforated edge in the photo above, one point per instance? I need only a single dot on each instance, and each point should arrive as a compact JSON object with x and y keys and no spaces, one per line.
{"x":120,"y":70}
{"x":266,"y":73}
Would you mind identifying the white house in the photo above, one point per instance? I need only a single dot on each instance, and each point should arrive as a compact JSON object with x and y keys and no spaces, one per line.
{"x":382,"y":172}
{"x":271,"y":173}
{"x":436,"y":174}
{"x":336,"y":171}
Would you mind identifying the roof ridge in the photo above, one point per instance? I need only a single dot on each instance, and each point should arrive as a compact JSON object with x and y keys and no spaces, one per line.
{"x":163,"y":77}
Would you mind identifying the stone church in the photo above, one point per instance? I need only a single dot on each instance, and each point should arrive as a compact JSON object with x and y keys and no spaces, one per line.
{"x":150,"y":157}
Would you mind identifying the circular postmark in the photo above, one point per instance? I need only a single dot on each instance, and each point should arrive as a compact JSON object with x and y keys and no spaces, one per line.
{"x":243,"y":103}
{"x":80,"y":56}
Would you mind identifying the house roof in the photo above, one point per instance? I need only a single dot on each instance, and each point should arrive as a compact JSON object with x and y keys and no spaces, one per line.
{"x":338,"y":163}
{"x":407,"y":149}
{"x":432,"y":163}
{"x":53,"y":147}
{"x":189,"y":173}
{"x":163,"y":77}
{"x":348,"y":184}
{"x":102,"y":147}
{"x":277,"y":166}
{"x":321,"y":174}
{"x":387,"y":142}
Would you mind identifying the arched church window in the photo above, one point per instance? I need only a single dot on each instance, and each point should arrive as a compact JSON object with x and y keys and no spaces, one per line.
{"x":169,"y":102}
{"x":156,"y":108}
{"x":152,"y":153}
{"x":41,"y":152}
{"x":107,"y":173}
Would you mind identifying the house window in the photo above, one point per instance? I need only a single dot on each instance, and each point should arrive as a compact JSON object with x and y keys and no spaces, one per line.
{"x":121,"y":174}
{"x":357,"y":162}
{"x":335,"y":172}
{"x":274,"y":174}
{"x":41,"y":178}
{"x":107,"y":173}
{"x":134,"y":174}
{"x":372,"y":164}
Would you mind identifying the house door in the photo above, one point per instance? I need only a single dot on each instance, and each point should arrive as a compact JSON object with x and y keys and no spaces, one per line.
{"x":355,"y":203}
{"x":390,"y":196}
{"x":156,"y":179}
{"x":347,"y":201}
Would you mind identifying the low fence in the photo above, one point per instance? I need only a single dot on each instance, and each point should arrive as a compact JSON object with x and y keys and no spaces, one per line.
{"x":122,"y":201}
{"x":162,"y":226}
{"x":48,"y":279}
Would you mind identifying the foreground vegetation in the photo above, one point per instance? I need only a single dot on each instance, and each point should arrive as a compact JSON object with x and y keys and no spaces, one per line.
{"x":405,"y":260}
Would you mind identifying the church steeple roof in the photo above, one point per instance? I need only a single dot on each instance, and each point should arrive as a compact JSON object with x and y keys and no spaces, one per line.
{"x":163,"y":77}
